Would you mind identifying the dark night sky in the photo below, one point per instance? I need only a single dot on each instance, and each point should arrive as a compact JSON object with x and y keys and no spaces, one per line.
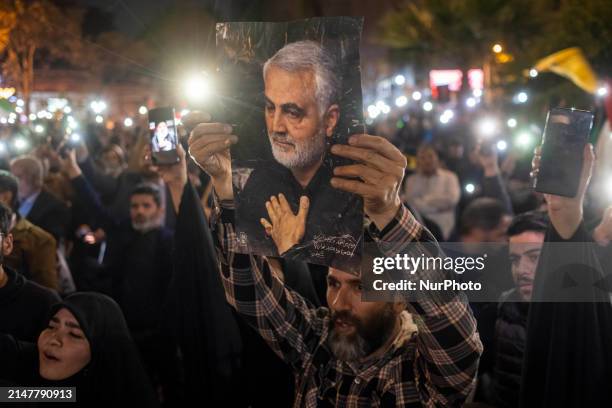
{"x":131,"y":15}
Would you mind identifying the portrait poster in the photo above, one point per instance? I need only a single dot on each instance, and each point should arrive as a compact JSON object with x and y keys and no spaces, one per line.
{"x":291,"y":91}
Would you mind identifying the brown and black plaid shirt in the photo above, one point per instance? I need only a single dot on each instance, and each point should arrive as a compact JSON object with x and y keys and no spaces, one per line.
{"x":434,"y":367}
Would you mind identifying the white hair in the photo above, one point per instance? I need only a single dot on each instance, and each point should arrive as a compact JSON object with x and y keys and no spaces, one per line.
{"x":309,"y":55}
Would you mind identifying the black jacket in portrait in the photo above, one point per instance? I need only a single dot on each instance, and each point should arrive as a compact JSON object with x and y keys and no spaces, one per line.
{"x":24,"y":306}
{"x":335,"y":218}
{"x":51,"y":214}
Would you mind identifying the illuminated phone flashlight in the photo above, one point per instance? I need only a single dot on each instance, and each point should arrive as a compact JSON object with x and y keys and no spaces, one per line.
{"x":400,"y":79}
{"x":197,"y":87}
{"x":20,"y":143}
{"x":39,"y":128}
{"x":446,"y":116}
{"x":75,"y":137}
{"x":99,"y":119}
{"x":524,"y":139}
{"x":521,"y":97}
{"x":98,"y":106}
{"x":143,"y":110}
{"x":501,"y":145}
{"x":470,"y":102}
{"x":128,"y":122}
{"x":416,"y":95}
{"x":401,"y":101}
{"x":470,"y":188}
{"x":487,"y":127}
{"x":373,"y":111}
{"x":427,"y":106}
{"x":511,"y":123}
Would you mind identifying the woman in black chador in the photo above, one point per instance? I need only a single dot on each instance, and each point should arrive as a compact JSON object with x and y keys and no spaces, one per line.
{"x":86,"y":345}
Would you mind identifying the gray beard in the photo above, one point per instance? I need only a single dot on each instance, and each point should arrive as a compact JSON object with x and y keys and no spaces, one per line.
{"x":146,"y":226}
{"x":306,"y":153}
{"x":347,"y":349}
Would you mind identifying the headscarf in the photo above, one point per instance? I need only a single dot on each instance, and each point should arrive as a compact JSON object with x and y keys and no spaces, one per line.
{"x":114,"y":374}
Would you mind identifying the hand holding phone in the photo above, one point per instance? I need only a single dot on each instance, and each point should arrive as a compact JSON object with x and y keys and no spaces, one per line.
{"x":164,"y":136}
{"x":561,"y":159}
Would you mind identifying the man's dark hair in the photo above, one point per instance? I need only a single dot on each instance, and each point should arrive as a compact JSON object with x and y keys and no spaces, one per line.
{"x":6,"y":214}
{"x":485,"y":213}
{"x":148,"y":189}
{"x":536,"y":221}
{"x":8,"y":182}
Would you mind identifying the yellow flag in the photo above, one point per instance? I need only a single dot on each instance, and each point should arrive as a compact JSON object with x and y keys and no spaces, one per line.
{"x":572,"y":64}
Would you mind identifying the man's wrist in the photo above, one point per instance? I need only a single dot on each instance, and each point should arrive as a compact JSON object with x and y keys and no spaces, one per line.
{"x":223,"y":189}
{"x":381,"y":220}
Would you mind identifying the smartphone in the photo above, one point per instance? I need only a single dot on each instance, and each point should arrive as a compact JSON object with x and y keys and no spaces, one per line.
{"x":565,"y":135}
{"x":164,"y":136}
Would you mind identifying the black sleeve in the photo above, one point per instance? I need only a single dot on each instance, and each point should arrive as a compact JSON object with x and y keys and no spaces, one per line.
{"x":567,"y":359}
{"x":105,"y":185}
{"x":494,"y":187}
{"x":18,"y":360}
{"x":91,"y":200}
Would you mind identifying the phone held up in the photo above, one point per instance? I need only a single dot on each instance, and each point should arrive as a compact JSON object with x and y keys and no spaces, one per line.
{"x":164,"y":136}
{"x":565,"y":134}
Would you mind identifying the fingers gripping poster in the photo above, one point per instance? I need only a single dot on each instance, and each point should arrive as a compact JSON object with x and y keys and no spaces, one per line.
{"x":292,"y":90}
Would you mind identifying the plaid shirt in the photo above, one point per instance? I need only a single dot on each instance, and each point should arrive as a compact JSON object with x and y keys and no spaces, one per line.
{"x":434,"y":367}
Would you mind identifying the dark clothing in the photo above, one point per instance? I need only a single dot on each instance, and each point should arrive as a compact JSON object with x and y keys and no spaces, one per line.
{"x":494,"y":187}
{"x":221,"y":352}
{"x":568,"y":362}
{"x":139,"y":264}
{"x":115,"y":192}
{"x":113,"y":377}
{"x":510,"y":335}
{"x":335,"y":218}
{"x":435,"y":366}
{"x":50,"y":214}
{"x":24,"y":306}
{"x":140,"y":268}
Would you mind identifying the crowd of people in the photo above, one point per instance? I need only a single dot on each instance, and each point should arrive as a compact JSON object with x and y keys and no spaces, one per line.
{"x":122,"y":279}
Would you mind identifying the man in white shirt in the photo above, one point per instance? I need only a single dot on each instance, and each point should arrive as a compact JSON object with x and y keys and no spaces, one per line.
{"x":433,"y":191}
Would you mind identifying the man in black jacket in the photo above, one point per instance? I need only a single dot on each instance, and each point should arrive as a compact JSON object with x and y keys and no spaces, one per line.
{"x":526,"y":237}
{"x":35,"y":204}
{"x":24,"y":305}
{"x":138,"y":261}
